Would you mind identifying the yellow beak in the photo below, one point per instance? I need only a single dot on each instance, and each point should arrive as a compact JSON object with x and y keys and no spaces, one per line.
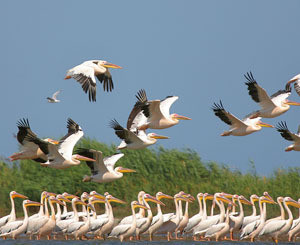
{"x":180,"y":117}
{"x":292,"y":103}
{"x":262,"y":124}
{"x":19,"y":195}
{"x":82,"y":158}
{"x":110,"y":65}
{"x":156,"y":136}
{"x":126,"y":170}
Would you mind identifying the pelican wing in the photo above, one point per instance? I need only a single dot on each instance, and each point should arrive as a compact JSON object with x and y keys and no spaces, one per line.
{"x":285,"y":133}
{"x":257,"y":93}
{"x":165,"y":105}
{"x":155,"y":219}
{"x":295,"y":223}
{"x":68,"y":142}
{"x":85,"y":75}
{"x":280,"y":96}
{"x":214,"y":229}
{"x":167,"y":217}
{"x":249,"y":219}
{"x":297,"y":87}
{"x":55,"y":94}
{"x":110,"y":161}
{"x":106,"y":79}
{"x":226,"y":116}
{"x":205,"y":224}
{"x":193,"y":221}
{"x":248,"y":229}
{"x":97,"y":223}
{"x":119,"y":230}
{"x":24,"y":130}
{"x":4,"y":220}
{"x":43,"y":145}
{"x":75,"y":226}
{"x":140,"y":222}
{"x":272,"y":227}
{"x":11,"y":226}
{"x":123,"y":133}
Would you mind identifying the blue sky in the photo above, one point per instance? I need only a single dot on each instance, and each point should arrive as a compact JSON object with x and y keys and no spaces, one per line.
{"x":198,"y":50}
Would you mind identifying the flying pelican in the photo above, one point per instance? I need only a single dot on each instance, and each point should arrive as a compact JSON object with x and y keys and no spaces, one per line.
{"x":15,"y":228}
{"x":29,"y":150}
{"x":296,"y":81}
{"x":12,"y":216}
{"x":157,"y":220}
{"x":53,"y":98}
{"x":103,"y":168}
{"x":60,"y":156}
{"x":134,"y":140}
{"x":87,"y":72}
{"x":253,"y":229}
{"x":122,"y":231}
{"x":272,"y":106}
{"x":238,"y":127}
{"x":276,"y":228}
{"x":286,"y":134}
{"x":153,"y":114}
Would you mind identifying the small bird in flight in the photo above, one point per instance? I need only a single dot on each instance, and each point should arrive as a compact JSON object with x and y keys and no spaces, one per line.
{"x":53,"y":98}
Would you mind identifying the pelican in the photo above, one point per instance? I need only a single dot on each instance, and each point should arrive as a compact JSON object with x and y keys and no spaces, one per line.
{"x":276,"y":228}
{"x":103,"y":168}
{"x":61,"y":157}
{"x":295,"y":229}
{"x":12,"y":216}
{"x":122,"y":231}
{"x":286,"y":134}
{"x":282,"y":214}
{"x":29,"y":150}
{"x":238,"y":127}
{"x":157,"y":220}
{"x":134,"y":140}
{"x":15,"y":228}
{"x":296,"y":81}
{"x":221,"y":229}
{"x":272,"y":106}
{"x":87,"y":72}
{"x":65,"y":213}
{"x":253,"y":217}
{"x":53,"y":98}
{"x":253,"y":229}
{"x":154,"y":114}
{"x":64,"y":200}
{"x":237,"y":221}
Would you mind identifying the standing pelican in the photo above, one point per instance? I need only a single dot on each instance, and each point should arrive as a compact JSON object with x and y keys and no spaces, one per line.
{"x":295,"y":229}
{"x":238,"y":127}
{"x":286,"y":134}
{"x":12,"y":216}
{"x":103,"y":168}
{"x":122,"y":231}
{"x":272,"y":106}
{"x":154,"y":114}
{"x":15,"y":228}
{"x":253,"y":217}
{"x":275,"y":228}
{"x":87,"y":72}
{"x":29,"y":150}
{"x":296,"y":81}
{"x":134,"y":140}
{"x":61,"y":157}
{"x":53,"y":98}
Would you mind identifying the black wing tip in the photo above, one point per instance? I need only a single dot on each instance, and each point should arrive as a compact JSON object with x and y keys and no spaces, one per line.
{"x":141,"y":96}
{"x":71,"y":123}
{"x":249,"y":77}
{"x":114,"y":124}
{"x":282,"y":126}
{"x":217,"y":107}
{"x":23,"y":123}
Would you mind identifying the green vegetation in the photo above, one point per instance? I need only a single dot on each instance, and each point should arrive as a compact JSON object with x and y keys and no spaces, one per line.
{"x":158,"y":169}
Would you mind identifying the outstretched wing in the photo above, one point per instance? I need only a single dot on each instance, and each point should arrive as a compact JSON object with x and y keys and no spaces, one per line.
{"x":55,"y":94}
{"x":110,"y":161}
{"x":282,"y":128}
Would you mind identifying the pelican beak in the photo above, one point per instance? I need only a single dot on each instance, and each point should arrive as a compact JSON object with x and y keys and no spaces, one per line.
{"x":62,"y":198}
{"x":156,"y":136}
{"x":262,"y":124}
{"x":71,"y":196}
{"x":51,"y":194}
{"x":225,"y":199}
{"x":19,"y":195}
{"x":292,"y":103}
{"x":138,"y":205}
{"x":209,"y":197}
{"x":97,"y":195}
{"x":180,"y":117}
{"x":182,"y":198}
{"x":82,"y":158}
{"x":266,"y":195}
{"x":227,"y":195}
{"x":57,"y":201}
{"x":80,"y":202}
{"x":114,"y":199}
{"x":153,"y":199}
{"x":245,"y":201}
{"x":293,"y":203}
{"x":267,"y":200}
{"x":97,"y":200}
{"x":55,"y":142}
{"x":110,"y":65}
{"x":32,"y":203}
{"x":126,"y":170}
{"x":165,"y":196}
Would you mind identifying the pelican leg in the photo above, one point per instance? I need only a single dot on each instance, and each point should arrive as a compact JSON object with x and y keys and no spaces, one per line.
{"x":48,"y":237}
{"x":66,"y":237}
{"x":150,"y":237}
{"x":252,"y":239}
{"x":275,"y":240}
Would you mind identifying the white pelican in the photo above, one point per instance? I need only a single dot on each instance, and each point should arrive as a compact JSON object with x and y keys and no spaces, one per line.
{"x":60,"y":156}
{"x":65,"y":213}
{"x":295,"y":229}
{"x":238,"y":127}
{"x":103,"y":168}
{"x":53,"y":98}
{"x":237,"y":221}
{"x":64,"y":200}
{"x":157,"y":220}
{"x":276,"y":228}
{"x":296,"y":81}
{"x":171,"y":224}
{"x":15,"y":228}
{"x":153,"y":114}
{"x":12,"y":216}
{"x":253,"y":217}
{"x":286,"y":134}
{"x":221,"y":229}
{"x":282,"y":214}
{"x":122,"y":231}
{"x":87,"y":72}
{"x":134,"y":140}
{"x":272,"y":106}
{"x":253,"y":229}
{"x":29,"y":150}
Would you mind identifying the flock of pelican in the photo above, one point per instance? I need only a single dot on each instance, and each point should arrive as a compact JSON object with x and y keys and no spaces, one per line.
{"x":271,"y":106}
{"x":146,"y":114}
{"x":52,"y":222}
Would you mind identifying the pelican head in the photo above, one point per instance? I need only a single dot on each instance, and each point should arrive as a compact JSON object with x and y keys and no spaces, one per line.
{"x":136,"y":204}
{"x":266,"y":195}
{"x":254,"y":198}
{"x":69,"y":196}
{"x":85,"y":196}
{"x":97,"y":195}
{"x":160,"y":195}
{"x":15,"y":194}
{"x":27,"y":203}
{"x":124,"y":170}
{"x":62,"y":198}
{"x":108,"y":65}
{"x":149,"y":198}
{"x":292,"y":202}
{"x":244,"y":200}
{"x":111,"y":198}
{"x":53,"y":199}
{"x":207,"y":196}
